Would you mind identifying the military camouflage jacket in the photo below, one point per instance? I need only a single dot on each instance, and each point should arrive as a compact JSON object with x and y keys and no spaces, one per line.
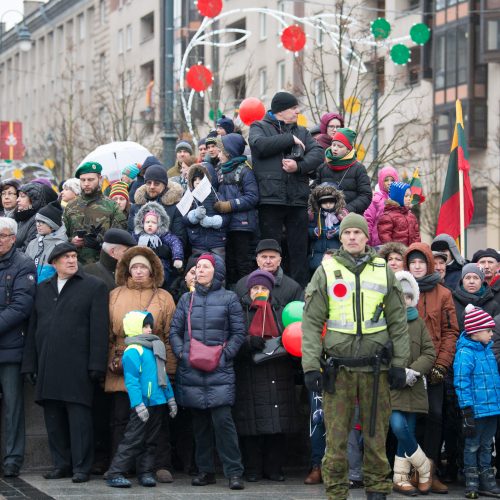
{"x":94,"y":214}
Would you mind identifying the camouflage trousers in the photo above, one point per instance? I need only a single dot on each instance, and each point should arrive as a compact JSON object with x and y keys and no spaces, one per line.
{"x":338,"y":414}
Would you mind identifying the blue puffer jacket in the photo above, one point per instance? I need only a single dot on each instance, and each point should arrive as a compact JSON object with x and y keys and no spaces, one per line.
{"x":239,"y":186}
{"x":216,"y":317}
{"x":17,"y":293}
{"x":476,"y":377}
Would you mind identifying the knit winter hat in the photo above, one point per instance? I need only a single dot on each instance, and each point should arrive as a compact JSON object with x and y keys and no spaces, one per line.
{"x":472,"y":268}
{"x":156,"y":173}
{"x":74,"y":185}
{"x":416,"y":254}
{"x":184,"y":145}
{"x":346,"y":136}
{"x":327,"y":118}
{"x":397,"y":192}
{"x":353,"y":220}
{"x":202,"y":141}
{"x":207,"y":256}
{"x":477,"y":320}
{"x":226,"y":123}
{"x":232,"y":145}
{"x":51,"y":215}
{"x":211,"y":137}
{"x":119,"y":188}
{"x":131,"y":171}
{"x":140,"y":259}
{"x":282,"y":101}
{"x":487,"y":252}
{"x":259,"y":277}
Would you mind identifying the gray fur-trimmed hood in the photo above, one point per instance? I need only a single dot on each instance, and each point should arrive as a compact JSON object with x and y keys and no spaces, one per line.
{"x":163,"y":218}
{"x":326,"y":189}
{"x":194,"y":170}
{"x":412,"y":282}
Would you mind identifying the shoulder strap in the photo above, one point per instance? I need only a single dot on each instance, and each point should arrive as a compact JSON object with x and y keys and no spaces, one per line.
{"x":189,"y":314}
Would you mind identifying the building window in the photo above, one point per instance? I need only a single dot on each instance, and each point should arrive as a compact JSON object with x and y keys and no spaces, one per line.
{"x":280,"y":76}
{"x":443,"y":129}
{"x":81,"y":27}
{"x":493,"y":34}
{"x":480,"y":197}
{"x":120,"y":41}
{"x":413,"y":67}
{"x":319,"y":35}
{"x":262,"y":82}
{"x":102,"y":12}
{"x":451,"y":57}
{"x":238,"y":87}
{"x":319,"y":92}
{"x":128,"y":37}
{"x":281,"y":5}
{"x":241,"y":24}
{"x":440,"y":62}
{"x":462,"y":55}
{"x":263,"y":25}
{"x":413,"y":4}
{"x":147,"y":27}
{"x":102,"y":65}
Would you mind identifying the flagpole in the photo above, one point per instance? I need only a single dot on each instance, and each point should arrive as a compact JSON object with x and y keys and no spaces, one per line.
{"x":462,"y":211}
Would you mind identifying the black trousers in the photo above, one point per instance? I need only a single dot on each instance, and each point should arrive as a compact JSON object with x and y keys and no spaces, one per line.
{"x":70,"y":433}
{"x":429,"y":428}
{"x":100,"y":419}
{"x":264,"y":454}
{"x":272,"y":219}
{"x":239,"y":263}
{"x":138,"y":446}
{"x":120,"y":412}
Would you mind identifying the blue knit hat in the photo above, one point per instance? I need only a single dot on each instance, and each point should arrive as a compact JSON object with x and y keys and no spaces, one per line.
{"x":131,"y":171}
{"x":232,"y":144}
{"x":397,"y":192}
{"x":226,"y":123}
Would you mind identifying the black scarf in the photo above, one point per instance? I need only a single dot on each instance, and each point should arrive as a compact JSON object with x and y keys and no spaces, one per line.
{"x":24,"y":215}
{"x":428,"y":282}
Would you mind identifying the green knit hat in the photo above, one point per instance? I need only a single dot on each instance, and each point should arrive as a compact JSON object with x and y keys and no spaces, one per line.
{"x":354,"y":221}
{"x":346,"y":136}
{"x":89,"y":167}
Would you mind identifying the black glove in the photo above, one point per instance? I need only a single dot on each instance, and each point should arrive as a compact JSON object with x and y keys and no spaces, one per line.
{"x":30,"y":378}
{"x":255,"y":343}
{"x":90,"y":241}
{"x":468,"y":422}
{"x":313,"y":381}
{"x":163,"y":252}
{"x":397,"y":377}
{"x":96,"y":376}
{"x":436,"y":375}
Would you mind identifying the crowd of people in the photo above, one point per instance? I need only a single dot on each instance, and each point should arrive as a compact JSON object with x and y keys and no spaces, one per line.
{"x":152,"y":330}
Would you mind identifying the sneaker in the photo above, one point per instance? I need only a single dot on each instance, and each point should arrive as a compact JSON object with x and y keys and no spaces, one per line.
{"x":118,"y":482}
{"x":146,"y":480}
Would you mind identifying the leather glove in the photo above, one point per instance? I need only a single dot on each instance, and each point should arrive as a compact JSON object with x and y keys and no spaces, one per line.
{"x":142,"y":412}
{"x":163,"y":252}
{"x":178,"y":263}
{"x":436,"y":375}
{"x":411,"y":377}
{"x":30,"y":378}
{"x":214,"y":222}
{"x":397,"y":377}
{"x":468,"y":422}
{"x":313,"y":381}
{"x":200,"y":212}
{"x":95,"y":375}
{"x":255,"y":343}
{"x":90,"y":241}
{"x":223,"y":207}
{"x":172,"y":408}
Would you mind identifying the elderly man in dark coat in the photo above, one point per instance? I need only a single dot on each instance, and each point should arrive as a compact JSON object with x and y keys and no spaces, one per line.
{"x":67,"y":347}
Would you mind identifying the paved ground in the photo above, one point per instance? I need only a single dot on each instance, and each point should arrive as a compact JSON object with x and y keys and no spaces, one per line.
{"x":33,"y":486}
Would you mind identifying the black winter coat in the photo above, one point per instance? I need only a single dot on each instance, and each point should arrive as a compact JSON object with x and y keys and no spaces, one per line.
{"x":17,"y":293}
{"x":265,"y":393}
{"x":216,"y":318}
{"x":453,"y":275}
{"x":486,"y":302}
{"x":270,"y":142}
{"x":352,"y":181}
{"x":103,"y":269}
{"x":67,"y":338}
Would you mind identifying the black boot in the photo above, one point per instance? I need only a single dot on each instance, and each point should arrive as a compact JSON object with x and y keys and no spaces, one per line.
{"x":487,"y":483}
{"x":471,"y":482}
{"x":375,"y":495}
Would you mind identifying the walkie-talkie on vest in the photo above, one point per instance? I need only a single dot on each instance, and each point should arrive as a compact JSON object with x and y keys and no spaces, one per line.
{"x":378,"y":312}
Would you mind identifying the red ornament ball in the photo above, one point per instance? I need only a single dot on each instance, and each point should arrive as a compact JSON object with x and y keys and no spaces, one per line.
{"x":293,"y":38}
{"x":199,"y":77}
{"x":292,"y":339}
{"x":251,"y":110}
{"x":209,"y":8}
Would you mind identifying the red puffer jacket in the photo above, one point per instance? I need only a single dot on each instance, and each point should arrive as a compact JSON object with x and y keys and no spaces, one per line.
{"x":398,"y":224}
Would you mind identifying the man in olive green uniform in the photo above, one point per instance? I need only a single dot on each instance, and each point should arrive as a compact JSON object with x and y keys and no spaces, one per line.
{"x":361,"y":302}
{"x":91,"y":214}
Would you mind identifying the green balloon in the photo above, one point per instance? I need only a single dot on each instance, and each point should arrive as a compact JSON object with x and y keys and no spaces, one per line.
{"x":400,"y":54}
{"x":292,"y":312}
{"x":380,"y":28}
{"x":420,"y":33}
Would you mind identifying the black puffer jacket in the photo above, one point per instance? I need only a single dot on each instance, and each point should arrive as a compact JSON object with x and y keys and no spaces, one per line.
{"x":216,"y":317}
{"x":352,"y":181}
{"x":265,"y":393}
{"x":270,"y":142}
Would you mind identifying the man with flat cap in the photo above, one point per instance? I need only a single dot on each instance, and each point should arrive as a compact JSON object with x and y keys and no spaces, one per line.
{"x":488,"y":260}
{"x":66,"y":352}
{"x":115,"y":243}
{"x":91,"y":214}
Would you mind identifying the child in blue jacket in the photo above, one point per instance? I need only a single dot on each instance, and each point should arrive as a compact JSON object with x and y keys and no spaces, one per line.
{"x":477,"y":384}
{"x":149,"y":390}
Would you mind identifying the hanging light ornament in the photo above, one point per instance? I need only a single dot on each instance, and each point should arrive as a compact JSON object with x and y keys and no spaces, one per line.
{"x":293,"y":38}
{"x":199,"y":77}
{"x":209,"y":8}
{"x":420,"y":33}
{"x":400,"y":54}
{"x":380,"y":28}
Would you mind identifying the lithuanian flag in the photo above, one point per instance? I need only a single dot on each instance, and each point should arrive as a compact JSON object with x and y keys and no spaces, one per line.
{"x":449,"y":214}
{"x":416,"y":189}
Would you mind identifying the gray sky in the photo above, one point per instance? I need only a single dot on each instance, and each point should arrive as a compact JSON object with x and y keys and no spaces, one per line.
{"x":10,"y":18}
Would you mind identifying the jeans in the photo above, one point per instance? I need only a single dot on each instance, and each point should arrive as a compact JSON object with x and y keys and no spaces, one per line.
{"x":13,"y":403}
{"x":218,"y":421}
{"x":403,"y":425}
{"x":477,"y":449}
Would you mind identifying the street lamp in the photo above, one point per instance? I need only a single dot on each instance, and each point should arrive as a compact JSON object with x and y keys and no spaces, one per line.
{"x":23,"y":33}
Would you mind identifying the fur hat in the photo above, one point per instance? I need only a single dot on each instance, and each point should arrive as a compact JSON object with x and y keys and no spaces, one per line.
{"x":392,"y":247}
{"x":409,"y":285}
{"x":476,"y":320}
{"x":326,"y":190}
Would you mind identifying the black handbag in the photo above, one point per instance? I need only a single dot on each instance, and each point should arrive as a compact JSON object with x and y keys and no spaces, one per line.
{"x":272,"y":350}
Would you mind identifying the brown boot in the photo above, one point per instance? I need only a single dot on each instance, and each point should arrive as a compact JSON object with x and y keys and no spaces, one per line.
{"x":400,"y":480}
{"x":314,"y":476}
{"x":422,"y":468}
{"x":437,"y":486}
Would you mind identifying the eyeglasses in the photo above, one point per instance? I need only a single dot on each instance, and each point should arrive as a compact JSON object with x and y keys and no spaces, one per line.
{"x":5,"y":236}
{"x":332,"y":127}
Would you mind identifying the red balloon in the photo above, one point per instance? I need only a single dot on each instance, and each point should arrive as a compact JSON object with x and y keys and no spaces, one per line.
{"x":199,"y":77}
{"x":292,"y":339}
{"x":251,"y":109}
{"x":293,"y":38}
{"x":209,"y":8}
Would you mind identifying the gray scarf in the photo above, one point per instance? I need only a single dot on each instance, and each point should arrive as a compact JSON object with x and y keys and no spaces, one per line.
{"x":428,"y":282}
{"x":154,"y":343}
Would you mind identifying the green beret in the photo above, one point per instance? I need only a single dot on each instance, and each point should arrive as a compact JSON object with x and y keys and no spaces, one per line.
{"x":89,"y":167}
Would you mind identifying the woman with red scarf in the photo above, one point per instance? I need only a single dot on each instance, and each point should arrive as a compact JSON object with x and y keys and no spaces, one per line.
{"x":265,"y":409}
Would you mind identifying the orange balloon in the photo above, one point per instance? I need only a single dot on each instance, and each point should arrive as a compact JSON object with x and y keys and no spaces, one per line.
{"x":292,"y":339}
